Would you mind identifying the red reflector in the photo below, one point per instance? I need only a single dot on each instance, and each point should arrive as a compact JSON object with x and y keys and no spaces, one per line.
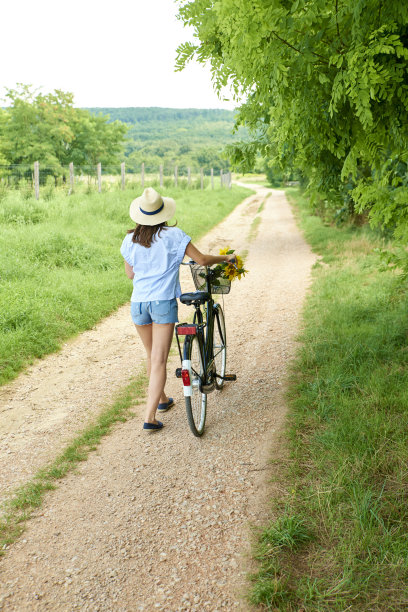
{"x":186,"y":378}
{"x":186,"y":330}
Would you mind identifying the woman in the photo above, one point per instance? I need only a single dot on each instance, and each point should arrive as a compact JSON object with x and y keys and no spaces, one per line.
{"x":153,"y":252}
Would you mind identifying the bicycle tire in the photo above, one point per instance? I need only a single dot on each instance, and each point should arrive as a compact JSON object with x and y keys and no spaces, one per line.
{"x":196,"y":404}
{"x":219,"y":346}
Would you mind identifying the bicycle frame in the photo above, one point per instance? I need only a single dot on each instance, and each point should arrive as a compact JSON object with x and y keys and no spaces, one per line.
{"x":205,"y":341}
{"x":201,"y":371}
{"x":204,"y":332}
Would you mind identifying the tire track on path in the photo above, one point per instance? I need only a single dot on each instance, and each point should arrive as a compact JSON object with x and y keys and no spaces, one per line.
{"x":162,"y":521}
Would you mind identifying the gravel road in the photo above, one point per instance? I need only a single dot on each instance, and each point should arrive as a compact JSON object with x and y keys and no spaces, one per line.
{"x":158,"y":521}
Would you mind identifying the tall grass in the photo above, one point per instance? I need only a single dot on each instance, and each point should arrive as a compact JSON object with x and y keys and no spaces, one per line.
{"x":60,"y":266}
{"x":346,"y":476}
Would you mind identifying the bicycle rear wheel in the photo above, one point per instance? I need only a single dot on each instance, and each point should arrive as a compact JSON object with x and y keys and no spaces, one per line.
{"x":219,"y":345}
{"x":196,"y":404}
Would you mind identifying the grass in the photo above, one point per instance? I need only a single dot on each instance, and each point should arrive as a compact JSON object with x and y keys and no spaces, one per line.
{"x":60,"y":266}
{"x":29,"y":497}
{"x":340,"y":538}
{"x":252,"y":178}
{"x":253,"y":230}
{"x":261,"y":207}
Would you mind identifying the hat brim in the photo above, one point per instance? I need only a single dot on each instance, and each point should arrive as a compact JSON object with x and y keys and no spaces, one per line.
{"x":165,"y":214}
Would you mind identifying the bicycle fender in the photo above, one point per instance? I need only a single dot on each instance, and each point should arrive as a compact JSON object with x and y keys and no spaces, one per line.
{"x":186,"y":365}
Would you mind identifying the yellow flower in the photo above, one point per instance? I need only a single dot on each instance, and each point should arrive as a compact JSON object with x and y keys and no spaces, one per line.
{"x":225,"y":251}
{"x":231,"y":271}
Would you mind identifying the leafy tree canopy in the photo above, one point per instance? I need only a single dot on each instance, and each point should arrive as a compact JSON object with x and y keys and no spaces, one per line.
{"x":327,"y":91}
{"x":47,"y":128}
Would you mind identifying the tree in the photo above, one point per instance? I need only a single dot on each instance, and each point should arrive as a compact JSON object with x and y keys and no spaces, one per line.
{"x":96,"y":140}
{"x":3,"y":120}
{"x":37,"y":126}
{"x":47,"y":128}
{"x":327,"y":90}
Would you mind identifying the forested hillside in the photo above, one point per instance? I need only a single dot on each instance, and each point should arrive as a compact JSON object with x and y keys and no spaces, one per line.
{"x":169,"y":136}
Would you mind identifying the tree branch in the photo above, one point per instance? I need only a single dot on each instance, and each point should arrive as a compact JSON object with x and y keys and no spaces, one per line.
{"x":337,"y":21}
{"x":286,"y":42}
{"x":298,"y":50}
{"x":337,"y":26}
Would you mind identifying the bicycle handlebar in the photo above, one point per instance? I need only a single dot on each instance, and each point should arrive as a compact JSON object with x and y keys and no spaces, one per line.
{"x":194,"y":263}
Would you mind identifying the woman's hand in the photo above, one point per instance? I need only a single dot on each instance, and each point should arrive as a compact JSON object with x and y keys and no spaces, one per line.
{"x":204,"y":259}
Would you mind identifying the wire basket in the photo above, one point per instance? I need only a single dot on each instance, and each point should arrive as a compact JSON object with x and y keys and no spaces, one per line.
{"x":218,"y":285}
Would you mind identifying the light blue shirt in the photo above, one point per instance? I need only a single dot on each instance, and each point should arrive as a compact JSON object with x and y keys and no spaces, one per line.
{"x":156,"y":268}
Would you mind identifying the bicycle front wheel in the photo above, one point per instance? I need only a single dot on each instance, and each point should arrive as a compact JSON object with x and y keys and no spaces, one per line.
{"x":219,"y":345}
{"x":196,"y":404}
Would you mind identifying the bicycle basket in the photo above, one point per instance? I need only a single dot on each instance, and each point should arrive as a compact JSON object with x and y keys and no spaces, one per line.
{"x":219,"y":285}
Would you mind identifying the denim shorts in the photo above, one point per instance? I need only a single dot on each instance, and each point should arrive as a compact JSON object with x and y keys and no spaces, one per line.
{"x":157,"y":311}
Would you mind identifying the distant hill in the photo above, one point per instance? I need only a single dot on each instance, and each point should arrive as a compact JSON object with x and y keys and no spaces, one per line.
{"x":169,"y":136}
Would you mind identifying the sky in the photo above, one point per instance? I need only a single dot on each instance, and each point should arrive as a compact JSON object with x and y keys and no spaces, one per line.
{"x":107,"y":53}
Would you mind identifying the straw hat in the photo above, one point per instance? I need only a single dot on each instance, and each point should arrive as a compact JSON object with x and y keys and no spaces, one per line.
{"x":151,"y":208}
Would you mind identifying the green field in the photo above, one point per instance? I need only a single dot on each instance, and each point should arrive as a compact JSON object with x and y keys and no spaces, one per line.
{"x":339,"y":538}
{"x":60,"y":266}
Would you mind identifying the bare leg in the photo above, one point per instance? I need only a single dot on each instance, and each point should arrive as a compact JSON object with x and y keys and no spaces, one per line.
{"x":146,"y":336}
{"x":156,"y":339}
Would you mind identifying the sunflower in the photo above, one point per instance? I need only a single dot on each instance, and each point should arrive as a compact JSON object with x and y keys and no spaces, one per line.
{"x":230,"y":271}
{"x":225,"y":251}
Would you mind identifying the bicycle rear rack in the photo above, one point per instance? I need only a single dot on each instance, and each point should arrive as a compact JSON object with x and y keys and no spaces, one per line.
{"x":185,"y":329}
{"x":191,"y":329}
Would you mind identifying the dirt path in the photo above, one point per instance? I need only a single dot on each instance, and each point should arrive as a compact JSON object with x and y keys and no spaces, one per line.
{"x":158,"y":521}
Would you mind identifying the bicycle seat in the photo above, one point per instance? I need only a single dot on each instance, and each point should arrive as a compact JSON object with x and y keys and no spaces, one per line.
{"x":195,"y":297}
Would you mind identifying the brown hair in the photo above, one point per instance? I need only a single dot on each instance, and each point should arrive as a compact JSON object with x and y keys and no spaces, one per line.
{"x":145,"y":234}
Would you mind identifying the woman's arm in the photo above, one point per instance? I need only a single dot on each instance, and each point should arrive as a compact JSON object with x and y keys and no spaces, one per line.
{"x":129,"y":271}
{"x":205,"y":260}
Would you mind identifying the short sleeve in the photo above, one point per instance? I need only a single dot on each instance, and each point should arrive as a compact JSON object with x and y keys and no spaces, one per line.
{"x":126,"y":249}
{"x":181,"y":250}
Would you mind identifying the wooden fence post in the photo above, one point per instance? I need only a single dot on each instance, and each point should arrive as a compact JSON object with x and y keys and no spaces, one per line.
{"x":202,"y":178}
{"x":71,"y":178}
{"x":212,"y":178}
{"x":143,"y":170}
{"x":175,"y":176}
{"x":229,"y":180}
{"x":221,"y":178}
{"x":189,"y":176}
{"x":37,"y":180}
{"x":161,"y":175}
{"x":99,"y":170}
{"x":122,"y":172}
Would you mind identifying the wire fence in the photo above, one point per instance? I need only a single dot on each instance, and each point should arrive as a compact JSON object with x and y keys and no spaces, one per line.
{"x":37,"y":176}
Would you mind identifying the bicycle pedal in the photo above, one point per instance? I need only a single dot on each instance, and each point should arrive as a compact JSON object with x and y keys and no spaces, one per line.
{"x":230,"y":377}
{"x":178,"y":372}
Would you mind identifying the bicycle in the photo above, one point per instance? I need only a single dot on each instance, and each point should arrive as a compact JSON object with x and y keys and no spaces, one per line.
{"x":204,"y":354}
